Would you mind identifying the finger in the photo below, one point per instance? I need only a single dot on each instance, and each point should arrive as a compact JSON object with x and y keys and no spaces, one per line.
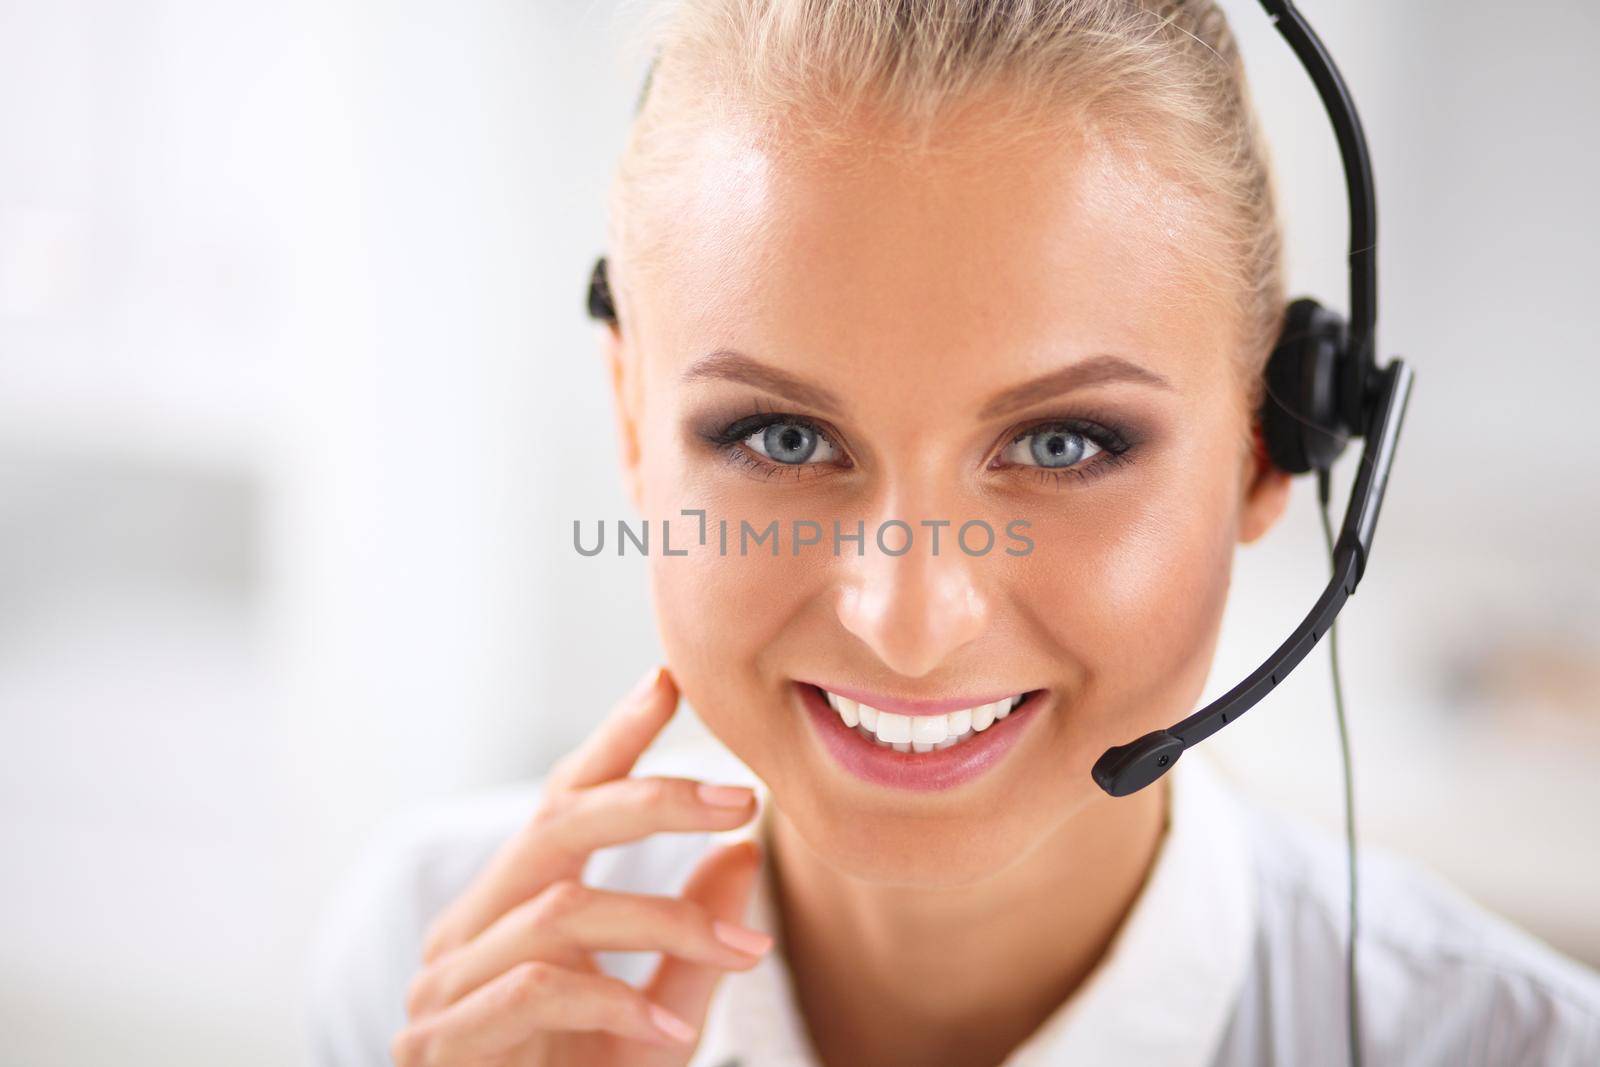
{"x":722,"y":884}
{"x":556,"y":844}
{"x":627,"y":809}
{"x":622,"y":736}
{"x":529,"y":999}
{"x":568,"y":921}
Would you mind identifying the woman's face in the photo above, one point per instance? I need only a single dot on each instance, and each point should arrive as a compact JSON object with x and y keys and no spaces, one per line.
{"x":918,"y":333}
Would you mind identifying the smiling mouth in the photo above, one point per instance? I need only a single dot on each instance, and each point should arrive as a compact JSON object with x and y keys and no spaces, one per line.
{"x":921,"y":733}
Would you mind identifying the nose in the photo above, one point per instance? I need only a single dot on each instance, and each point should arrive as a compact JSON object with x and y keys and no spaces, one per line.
{"x":914,"y":610}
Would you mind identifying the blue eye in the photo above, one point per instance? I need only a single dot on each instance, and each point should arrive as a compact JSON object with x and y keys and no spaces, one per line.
{"x":1050,"y":447}
{"x":791,"y":443}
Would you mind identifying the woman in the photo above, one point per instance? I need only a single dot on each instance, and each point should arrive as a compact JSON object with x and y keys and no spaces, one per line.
{"x":886,"y":271}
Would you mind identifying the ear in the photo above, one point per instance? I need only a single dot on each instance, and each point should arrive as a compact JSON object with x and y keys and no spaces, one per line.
{"x":622,"y":367}
{"x":1266,"y":491}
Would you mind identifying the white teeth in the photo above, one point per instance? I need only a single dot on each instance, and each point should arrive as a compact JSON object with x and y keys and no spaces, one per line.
{"x":869,"y":718}
{"x":983,"y":717}
{"x":893,"y":727}
{"x":929,"y":729}
{"x":919,"y":733}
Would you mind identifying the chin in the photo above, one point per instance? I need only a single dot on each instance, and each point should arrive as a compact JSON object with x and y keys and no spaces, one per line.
{"x":940,"y":853}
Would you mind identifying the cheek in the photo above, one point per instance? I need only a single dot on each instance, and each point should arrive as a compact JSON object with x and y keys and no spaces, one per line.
{"x":1165,"y":586}
{"x":1133,"y":588}
{"x":724,"y":615}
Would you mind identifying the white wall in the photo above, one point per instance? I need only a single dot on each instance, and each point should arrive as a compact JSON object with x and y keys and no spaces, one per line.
{"x":297,"y":403}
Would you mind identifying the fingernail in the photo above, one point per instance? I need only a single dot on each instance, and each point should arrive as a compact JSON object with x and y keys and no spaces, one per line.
{"x":745,"y":940}
{"x":725,"y":796}
{"x":670,"y":1024}
{"x":651,"y":679}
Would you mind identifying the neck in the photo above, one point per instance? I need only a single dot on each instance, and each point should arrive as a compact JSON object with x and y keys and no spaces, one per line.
{"x":895,"y":974}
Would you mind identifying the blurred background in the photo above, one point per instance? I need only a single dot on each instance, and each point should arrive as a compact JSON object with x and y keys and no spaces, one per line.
{"x":298,"y":404}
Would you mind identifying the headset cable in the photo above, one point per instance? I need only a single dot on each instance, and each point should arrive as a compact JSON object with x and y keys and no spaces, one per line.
{"x":1351,"y":1001}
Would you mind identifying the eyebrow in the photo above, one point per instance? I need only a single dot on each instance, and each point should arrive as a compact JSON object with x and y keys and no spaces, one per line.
{"x":728,"y":365}
{"x":1096,"y":370}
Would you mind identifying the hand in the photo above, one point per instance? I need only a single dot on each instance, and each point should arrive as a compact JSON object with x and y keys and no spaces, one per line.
{"x":508,"y":974}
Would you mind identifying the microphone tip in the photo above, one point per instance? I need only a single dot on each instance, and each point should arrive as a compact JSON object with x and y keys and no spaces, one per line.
{"x":1125,"y":769}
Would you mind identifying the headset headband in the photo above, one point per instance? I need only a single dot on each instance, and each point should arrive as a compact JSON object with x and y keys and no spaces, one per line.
{"x":1341,"y":109}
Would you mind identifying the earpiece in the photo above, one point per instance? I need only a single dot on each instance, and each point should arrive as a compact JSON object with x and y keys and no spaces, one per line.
{"x":1301,"y":411}
{"x":601,"y":305}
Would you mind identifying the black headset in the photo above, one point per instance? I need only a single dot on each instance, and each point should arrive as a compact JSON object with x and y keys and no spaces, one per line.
{"x":1323,"y":387}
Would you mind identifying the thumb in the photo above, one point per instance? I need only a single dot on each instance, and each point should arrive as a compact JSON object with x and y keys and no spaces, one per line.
{"x":722,"y":883}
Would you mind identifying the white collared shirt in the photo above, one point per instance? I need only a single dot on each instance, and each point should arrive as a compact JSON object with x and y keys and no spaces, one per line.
{"x":1232,"y":954}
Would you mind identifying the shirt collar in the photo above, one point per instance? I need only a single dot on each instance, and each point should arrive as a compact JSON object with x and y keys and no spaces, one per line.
{"x":1162,"y":994}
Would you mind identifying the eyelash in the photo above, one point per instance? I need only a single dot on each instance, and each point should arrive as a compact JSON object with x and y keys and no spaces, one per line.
{"x":1114,"y":447}
{"x":730,"y":441}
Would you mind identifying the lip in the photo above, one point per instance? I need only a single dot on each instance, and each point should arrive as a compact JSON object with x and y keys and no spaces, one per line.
{"x":912,"y":707}
{"x":943,"y":768}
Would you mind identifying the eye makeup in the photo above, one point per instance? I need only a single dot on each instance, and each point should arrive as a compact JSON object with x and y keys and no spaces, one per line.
{"x":727,"y":436}
{"x":726,"y":433}
{"x":1114,"y":449}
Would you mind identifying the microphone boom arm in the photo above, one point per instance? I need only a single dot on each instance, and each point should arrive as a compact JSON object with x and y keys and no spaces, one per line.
{"x":1125,"y":769}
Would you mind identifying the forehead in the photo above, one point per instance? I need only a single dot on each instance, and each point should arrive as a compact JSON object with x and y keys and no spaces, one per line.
{"x":987,"y":257}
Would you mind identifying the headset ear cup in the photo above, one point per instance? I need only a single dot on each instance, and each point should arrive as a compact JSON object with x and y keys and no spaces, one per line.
{"x":1299,"y":413}
{"x":600,"y":304}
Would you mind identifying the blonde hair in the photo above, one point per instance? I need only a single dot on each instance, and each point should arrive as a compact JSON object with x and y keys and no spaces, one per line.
{"x":1167,"y":71}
